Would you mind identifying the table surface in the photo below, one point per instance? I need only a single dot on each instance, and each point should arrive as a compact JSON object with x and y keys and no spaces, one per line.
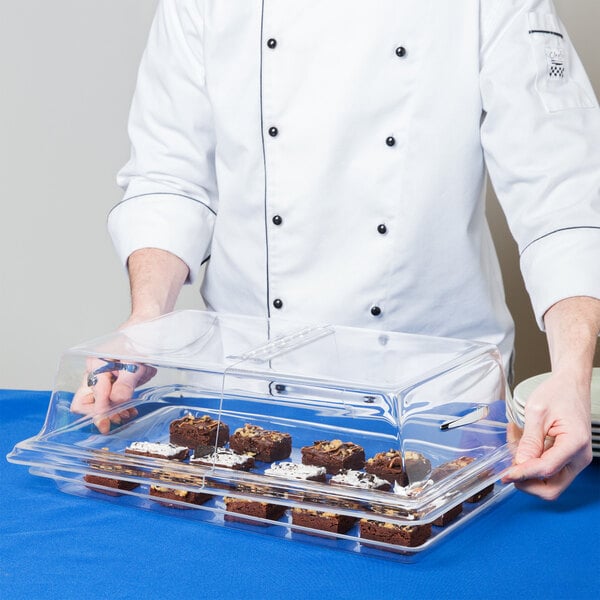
{"x":54,"y":545}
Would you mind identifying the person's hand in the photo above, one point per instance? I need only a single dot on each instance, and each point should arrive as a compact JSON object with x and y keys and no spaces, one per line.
{"x":555,"y":444}
{"x":110,"y":389}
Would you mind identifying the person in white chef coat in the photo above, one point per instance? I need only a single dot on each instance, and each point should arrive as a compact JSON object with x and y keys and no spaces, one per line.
{"x":326,"y":160}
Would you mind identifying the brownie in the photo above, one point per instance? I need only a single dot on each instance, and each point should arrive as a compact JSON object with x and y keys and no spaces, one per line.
{"x":416,"y":466}
{"x":388,"y":465}
{"x":446,"y":469}
{"x":392,"y":533}
{"x":289,"y":470}
{"x":106,"y":467}
{"x":110,"y":482}
{"x":323,"y":521}
{"x":169,"y":493}
{"x":334,"y":455}
{"x":191,"y":431}
{"x":358,"y":479}
{"x":481,"y":494}
{"x":158,"y":450}
{"x":449,"y":516}
{"x":252,"y":508}
{"x":266,"y":446}
{"x":162,"y":490}
{"x":223,"y":457}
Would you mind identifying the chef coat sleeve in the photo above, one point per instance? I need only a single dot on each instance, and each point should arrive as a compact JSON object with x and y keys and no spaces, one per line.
{"x":540,"y":133}
{"x":169,"y":181}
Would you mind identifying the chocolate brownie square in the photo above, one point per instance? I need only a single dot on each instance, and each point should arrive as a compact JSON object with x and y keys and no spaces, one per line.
{"x":266,"y":446}
{"x":481,"y":494}
{"x":161,"y":490}
{"x":187,"y":496}
{"x":158,"y":450}
{"x":449,"y":516}
{"x":334,"y":455}
{"x":446,"y":469}
{"x":323,"y":521}
{"x":105,"y":469}
{"x":222,"y":457}
{"x":392,"y":533}
{"x":388,"y":465}
{"x":191,"y":431}
{"x":252,"y":508}
{"x":416,"y":466}
{"x":110,"y":482}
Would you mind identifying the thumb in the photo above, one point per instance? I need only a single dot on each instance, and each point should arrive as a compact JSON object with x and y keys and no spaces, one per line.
{"x":531,"y":444}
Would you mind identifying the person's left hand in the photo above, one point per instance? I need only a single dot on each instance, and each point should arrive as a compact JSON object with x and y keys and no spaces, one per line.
{"x":555,"y":444}
{"x":110,"y":389}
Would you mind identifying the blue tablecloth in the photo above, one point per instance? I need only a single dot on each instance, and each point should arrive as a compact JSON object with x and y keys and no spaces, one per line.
{"x":53,"y":545}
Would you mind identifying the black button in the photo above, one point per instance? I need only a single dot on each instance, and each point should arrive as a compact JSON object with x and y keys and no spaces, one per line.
{"x":277,"y":303}
{"x":277,"y":220}
{"x":280,"y":387}
{"x":271,"y":42}
{"x":273,"y":131}
{"x":375,"y":311}
{"x":382,"y":228}
{"x":390,"y":141}
{"x":400,"y":51}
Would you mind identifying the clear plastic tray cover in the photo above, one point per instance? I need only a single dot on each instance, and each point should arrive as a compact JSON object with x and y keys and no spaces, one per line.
{"x":442,"y":399}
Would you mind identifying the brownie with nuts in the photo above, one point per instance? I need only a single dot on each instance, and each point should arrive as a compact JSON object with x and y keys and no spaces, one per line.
{"x":174,"y":494}
{"x":446,"y":469}
{"x":394,"y":467}
{"x":266,"y":446}
{"x":108,"y":475}
{"x":334,"y":455}
{"x":416,"y":466}
{"x":166,"y":494}
{"x":389,"y":466}
{"x":194,"y":431}
{"x":394,"y":533}
{"x":222,"y":457}
{"x":158,"y":450}
{"x":322,"y":520}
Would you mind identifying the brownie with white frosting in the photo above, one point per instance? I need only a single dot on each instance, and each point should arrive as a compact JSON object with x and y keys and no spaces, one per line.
{"x":158,"y":450}
{"x":222,"y":457}
{"x":290,"y":470}
{"x":360,"y":480}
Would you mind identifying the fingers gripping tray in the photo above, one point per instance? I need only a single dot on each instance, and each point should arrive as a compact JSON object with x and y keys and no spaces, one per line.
{"x":377,"y":443}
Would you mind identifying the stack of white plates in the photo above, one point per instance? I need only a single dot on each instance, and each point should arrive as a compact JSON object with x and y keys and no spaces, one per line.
{"x":516,"y":404}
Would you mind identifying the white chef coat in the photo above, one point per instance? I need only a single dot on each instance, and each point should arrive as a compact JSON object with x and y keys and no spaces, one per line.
{"x":328,"y":159}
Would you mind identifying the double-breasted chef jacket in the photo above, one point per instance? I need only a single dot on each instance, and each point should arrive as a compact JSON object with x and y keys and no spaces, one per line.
{"x":327,"y":159}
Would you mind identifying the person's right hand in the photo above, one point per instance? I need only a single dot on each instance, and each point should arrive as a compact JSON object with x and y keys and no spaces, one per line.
{"x":111,"y":389}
